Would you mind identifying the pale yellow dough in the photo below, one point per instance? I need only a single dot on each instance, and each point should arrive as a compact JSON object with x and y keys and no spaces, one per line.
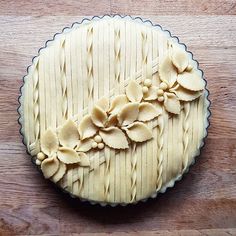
{"x":100,"y":119}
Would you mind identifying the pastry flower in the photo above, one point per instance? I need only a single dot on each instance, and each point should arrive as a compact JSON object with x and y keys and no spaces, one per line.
{"x":120,"y":122}
{"x":179,"y":82}
{"x":58,"y":150}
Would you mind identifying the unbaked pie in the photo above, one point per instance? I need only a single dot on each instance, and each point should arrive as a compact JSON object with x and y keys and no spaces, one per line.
{"x":114,"y":110}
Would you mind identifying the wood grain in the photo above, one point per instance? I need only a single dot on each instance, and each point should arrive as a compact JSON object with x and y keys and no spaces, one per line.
{"x":203,"y":203}
{"x":140,"y":7}
{"x":179,"y":7}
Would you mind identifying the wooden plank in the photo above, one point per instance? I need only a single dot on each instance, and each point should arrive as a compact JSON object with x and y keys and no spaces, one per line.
{"x":179,"y":7}
{"x":204,"y":232}
{"x":142,"y":217}
{"x":218,"y":31}
{"x":48,"y":7}
{"x":28,"y":220}
{"x":144,"y":7}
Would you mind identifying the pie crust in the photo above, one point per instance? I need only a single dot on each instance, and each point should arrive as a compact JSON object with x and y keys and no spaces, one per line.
{"x":114,"y":110}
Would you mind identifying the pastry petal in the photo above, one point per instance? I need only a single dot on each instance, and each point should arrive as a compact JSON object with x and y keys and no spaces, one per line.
{"x":69,"y":135}
{"x":49,"y":166}
{"x":118,"y":102}
{"x":147,"y":111}
{"x":98,"y":116}
{"x":128,"y":114}
{"x":85,"y":145}
{"x":112,"y":120}
{"x":86,"y":127}
{"x":114,"y":137}
{"x":49,"y":142}
{"x":191,"y":81}
{"x":68,"y":156}
{"x":60,"y":172}
{"x":171,"y":103}
{"x":167,"y":71}
{"x":138,"y":132}
{"x":151,"y":94}
{"x":103,"y":103}
{"x":180,"y":59}
{"x":185,"y":94}
{"x":134,"y":91}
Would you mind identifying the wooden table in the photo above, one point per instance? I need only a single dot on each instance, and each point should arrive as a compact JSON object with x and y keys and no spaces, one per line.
{"x":203,"y":203}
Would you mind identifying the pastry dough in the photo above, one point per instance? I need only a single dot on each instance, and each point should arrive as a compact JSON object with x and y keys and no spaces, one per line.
{"x":114,"y":110}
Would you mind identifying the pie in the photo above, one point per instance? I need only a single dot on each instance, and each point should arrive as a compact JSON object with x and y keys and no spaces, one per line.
{"x":114,"y":110}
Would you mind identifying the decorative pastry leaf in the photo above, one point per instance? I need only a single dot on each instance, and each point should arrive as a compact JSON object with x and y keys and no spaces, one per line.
{"x":113,"y":137}
{"x":134,"y":91}
{"x":85,"y":145}
{"x":49,"y":142}
{"x":180,"y":59}
{"x":138,"y":132}
{"x":103,"y":103}
{"x":68,"y":156}
{"x":171,"y":103}
{"x":151,"y":94}
{"x":98,"y":116}
{"x":60,"y":172}
{"x":184,"y":94}
{"x":69,"y":135}
{"x":147,"y":111}
{"x":112,"y":120}
{"x":86,"y":127}
{"x":191,"y":81}
{"x":158,"y":106}
{"x":84,"y":159}
{"x":118,"y":102}
{"x":50,"y":166}
{"x":167,"y":71}
{"x":128,"y":114}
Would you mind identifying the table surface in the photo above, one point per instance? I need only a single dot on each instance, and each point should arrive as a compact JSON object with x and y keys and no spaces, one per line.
{"x":203,"y":203}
